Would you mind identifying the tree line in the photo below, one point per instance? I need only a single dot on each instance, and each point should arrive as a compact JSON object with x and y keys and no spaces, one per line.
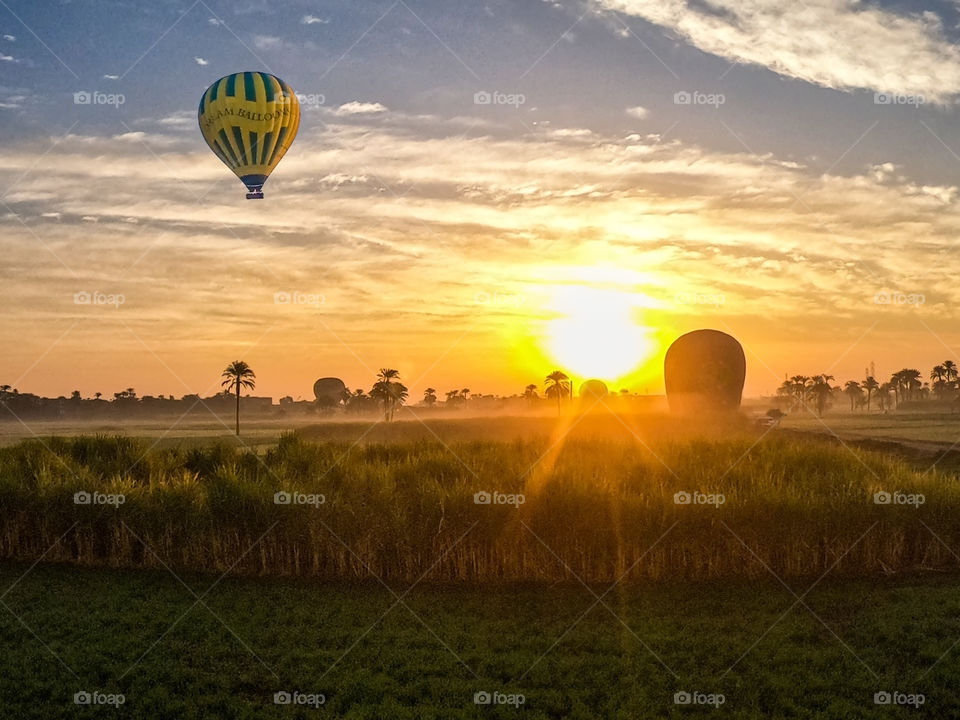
{"x":905,"y":385}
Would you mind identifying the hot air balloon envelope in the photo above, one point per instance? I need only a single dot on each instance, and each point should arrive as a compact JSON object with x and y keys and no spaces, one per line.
{"x":329,"y":389}
{"x":704,"y":371}
{"x":593,"y":389}
{"x":249,"y":120}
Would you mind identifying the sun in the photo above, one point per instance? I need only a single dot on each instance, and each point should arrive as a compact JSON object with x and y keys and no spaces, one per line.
{"x":596,"y":332}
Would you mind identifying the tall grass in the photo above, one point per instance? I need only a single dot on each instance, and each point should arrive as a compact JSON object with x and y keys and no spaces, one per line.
{"x":597,"y":507}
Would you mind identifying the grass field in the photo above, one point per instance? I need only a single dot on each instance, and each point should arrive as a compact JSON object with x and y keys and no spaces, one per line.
{"x":598,"y":596}
{"x":143,"y":634}
{"x":941,"y":428}
{"x":596,"y":501}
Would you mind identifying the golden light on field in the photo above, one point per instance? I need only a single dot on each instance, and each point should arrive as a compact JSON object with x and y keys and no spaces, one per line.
{"x":597,"y":332}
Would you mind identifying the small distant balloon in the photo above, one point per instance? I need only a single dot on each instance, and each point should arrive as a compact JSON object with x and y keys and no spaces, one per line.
{"x":704,"y":371}
{"x":249,"y":120}
{"x":329,"y":390}
{"x":593,"y":390}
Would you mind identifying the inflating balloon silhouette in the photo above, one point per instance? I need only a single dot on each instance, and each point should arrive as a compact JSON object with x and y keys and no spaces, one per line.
{"x":329,"y":391}
{"x":249,"y":120}
{"x":704,"y":371}
{"x":593,"y":390}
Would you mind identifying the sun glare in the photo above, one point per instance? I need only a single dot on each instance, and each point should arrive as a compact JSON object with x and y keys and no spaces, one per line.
{"x":596,"y":333}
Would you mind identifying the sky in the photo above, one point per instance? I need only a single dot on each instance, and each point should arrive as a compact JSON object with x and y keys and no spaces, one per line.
{"x":480,"y":192}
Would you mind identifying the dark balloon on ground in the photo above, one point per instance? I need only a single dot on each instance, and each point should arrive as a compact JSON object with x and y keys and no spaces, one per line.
{"x":329,"y":391}
{"x":593,"y":390}
{"x":704,"y":371}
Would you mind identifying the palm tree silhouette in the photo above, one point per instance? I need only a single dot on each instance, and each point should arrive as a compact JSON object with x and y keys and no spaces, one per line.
{"x":530,"y":393}
{"x":950,"y":370}
{"x":820,"y":390}
{"x":908,"y":381}
{"x":853,"y":390}
{"x":558,"y":385}
{"x":238,"y":374}
{"x":429,"y":396}
{"x":870,"y":385}
{"x":388,"y":392}
{"x":938,"y":373}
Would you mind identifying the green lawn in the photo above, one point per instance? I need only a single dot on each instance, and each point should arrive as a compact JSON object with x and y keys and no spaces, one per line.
{"x":141,"y":634}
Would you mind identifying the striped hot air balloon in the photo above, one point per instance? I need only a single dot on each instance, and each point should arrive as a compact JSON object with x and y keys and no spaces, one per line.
{"x":249,"y":120}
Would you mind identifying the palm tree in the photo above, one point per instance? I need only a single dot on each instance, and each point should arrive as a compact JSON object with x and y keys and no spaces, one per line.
{"x":236,"y":375}
{"x":911,"y":381}
{"x":950,"y":370}
{"x":853,"y":390}
{"x":938,"y":373}
{"x":870,"y":385}
{"x":820,"y":391}
{"x":357,"y":401}
{"x":883,"y":394}
{"x":98,"y":395}
{"x":388,"y":392}
{"x":898,"y":384}
{"x":464,"y":393}
{"x":799,"y":385}
{"x":558,"y":385}
{"x":429,"y":397}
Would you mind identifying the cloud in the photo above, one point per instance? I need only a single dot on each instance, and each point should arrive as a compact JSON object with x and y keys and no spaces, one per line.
{"x":359,"y":108}
{"x":266,"y":42}
{"x":214,"y":21}
{"x":7,"y":58}
{"x":10,"y":38}
{"x":201,"y":61}
{"x":840,"y":44}
{"x":179,"y":120}
{"x":374,"y":215}
{"x":313,"y":20}
{"x":638,"y":112}
{"x":111,"y":77}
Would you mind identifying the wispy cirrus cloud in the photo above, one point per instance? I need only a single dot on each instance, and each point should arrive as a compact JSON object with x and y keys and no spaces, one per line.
{"x":840,"y":44}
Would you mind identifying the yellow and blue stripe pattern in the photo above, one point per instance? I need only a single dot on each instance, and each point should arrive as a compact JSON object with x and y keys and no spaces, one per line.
{"x":249,"y":120}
